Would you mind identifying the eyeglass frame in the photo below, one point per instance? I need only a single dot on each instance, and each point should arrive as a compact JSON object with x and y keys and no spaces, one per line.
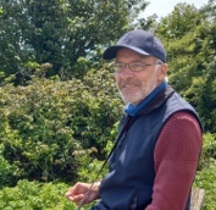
{"x":125,"y":65}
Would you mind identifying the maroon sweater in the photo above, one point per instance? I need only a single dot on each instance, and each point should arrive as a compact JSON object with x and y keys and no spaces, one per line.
{"x":176,"y":157}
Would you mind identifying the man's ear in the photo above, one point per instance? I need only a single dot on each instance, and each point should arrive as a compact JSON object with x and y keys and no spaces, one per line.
{"x":163,"y":71}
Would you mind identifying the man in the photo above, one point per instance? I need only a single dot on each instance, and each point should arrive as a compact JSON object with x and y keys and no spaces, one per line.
{"x":154,"y":163}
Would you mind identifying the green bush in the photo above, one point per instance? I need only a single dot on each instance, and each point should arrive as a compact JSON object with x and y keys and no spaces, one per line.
{"x":46,"y":124}
{"x":7,"y":170}
{"x":206,"y":175}
{"x":35,"y":196}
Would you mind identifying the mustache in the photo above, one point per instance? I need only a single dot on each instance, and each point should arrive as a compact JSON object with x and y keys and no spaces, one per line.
{"x":129,"y":81}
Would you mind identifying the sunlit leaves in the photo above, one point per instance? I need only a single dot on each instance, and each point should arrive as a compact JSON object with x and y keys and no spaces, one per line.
{"x":34,"y":195}
{"x":45,"y":122}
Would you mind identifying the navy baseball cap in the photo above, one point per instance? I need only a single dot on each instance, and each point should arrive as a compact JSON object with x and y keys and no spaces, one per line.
{"x":140,"y":41}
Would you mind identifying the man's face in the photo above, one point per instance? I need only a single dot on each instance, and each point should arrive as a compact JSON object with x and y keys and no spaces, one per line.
{"x":135,"y":86}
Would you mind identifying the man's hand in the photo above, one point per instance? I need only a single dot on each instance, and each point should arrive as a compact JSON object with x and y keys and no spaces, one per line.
{"x":77,"y":192}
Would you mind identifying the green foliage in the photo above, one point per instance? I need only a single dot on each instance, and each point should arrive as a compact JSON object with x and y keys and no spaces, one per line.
{"x":60,"y":32}
{"x":7,"y":170}
{"x":205,"y":179}
{"x":177,"y":24}
{"x":53,"y":129}
{"x":47,"y":123}
{"x":189,"y":37}
{"x":35,"y":196}
{"x":206,"y":176}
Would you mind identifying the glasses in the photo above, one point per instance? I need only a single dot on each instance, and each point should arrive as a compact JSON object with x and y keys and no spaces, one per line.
{"x":134,"y":66}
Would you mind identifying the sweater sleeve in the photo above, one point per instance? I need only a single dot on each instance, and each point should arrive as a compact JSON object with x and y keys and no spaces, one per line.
{"x":176,"y":158}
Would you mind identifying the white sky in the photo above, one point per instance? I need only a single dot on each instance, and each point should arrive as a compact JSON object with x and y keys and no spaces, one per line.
{"x":164,"y":7}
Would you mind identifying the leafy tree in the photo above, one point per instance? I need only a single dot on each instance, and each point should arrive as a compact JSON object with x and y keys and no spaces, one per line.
{"x":60,"y":32}
{"x":189,"y":36}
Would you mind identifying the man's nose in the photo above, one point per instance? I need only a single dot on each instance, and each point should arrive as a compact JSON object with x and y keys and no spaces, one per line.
{"x":126,"y":73}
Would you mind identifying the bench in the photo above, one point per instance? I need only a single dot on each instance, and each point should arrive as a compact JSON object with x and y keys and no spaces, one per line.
{"x":197,"y":198}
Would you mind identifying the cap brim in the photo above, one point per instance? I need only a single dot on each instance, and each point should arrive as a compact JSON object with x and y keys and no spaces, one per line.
{"x":111,"y":52}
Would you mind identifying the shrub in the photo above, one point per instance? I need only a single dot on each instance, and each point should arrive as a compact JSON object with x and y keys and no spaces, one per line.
{"x":35,"y":196}
{"x":206,"y":175}
{"x":46,"y":124}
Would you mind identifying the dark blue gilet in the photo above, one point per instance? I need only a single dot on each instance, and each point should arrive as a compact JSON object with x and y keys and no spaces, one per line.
{"x":129,"y":183}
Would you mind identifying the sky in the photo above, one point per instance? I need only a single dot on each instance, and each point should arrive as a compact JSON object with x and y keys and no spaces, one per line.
{"x":164,"y":7}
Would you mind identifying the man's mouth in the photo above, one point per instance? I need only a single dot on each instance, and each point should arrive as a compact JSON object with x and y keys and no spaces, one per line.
{"x":129,"y":84}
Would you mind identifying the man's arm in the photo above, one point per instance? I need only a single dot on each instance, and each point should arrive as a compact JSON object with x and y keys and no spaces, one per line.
{"x":176,"y":158}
